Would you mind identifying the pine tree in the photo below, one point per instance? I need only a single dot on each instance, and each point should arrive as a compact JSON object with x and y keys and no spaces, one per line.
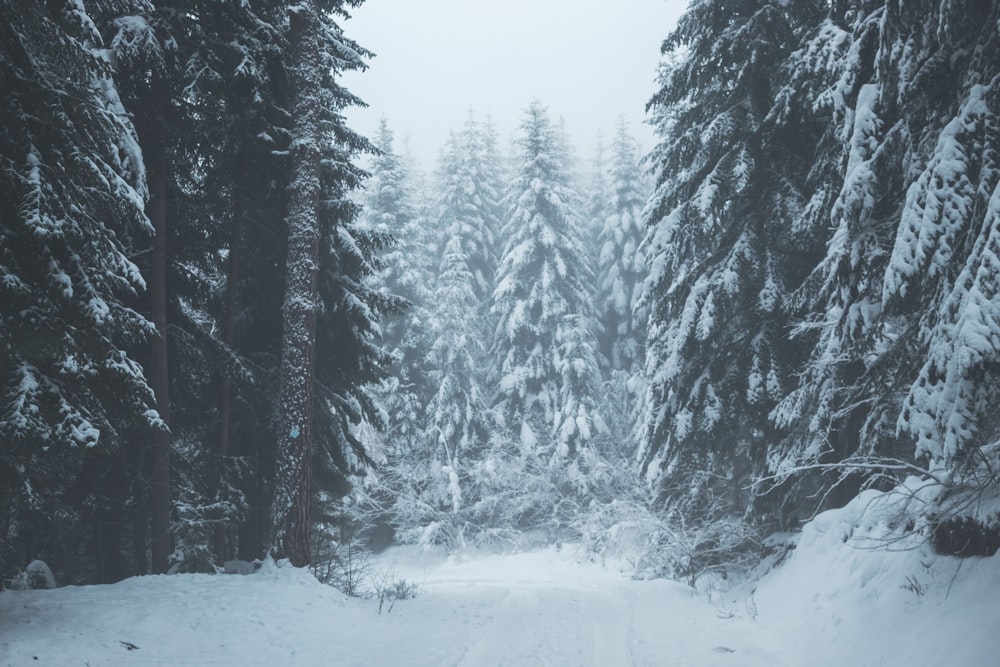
{"x":621,"y":263}
{"x":578,"y":421}
{"x":318,"y":208}
{"x":148,"y":53}
{"x":541,"y":293}
{"x":944,"y":255}
{"x":722,"y":251}
{"x":899,"y":313}
{"x":458,"y":423}
{"x":71,"y":215}
{"x":469,"y":208}
{"x":227,"y":245}
{"x":404,"y":273}
{"x":910,"y":139}
{"x":598,"y":202}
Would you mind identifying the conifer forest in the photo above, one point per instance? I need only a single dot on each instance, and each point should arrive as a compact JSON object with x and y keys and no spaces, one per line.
{"x":232,"y":327}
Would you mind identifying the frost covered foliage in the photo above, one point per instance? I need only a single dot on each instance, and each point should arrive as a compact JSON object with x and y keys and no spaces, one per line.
{"x":390,"y":209}
{"x":493,"y":498}
{"x":621,"y":266}
{"x":468,"y":210}
{"x":899,"y":307}
{"x":823,"y":228}
{"x":458,"y":422}
{"x":947,"y":247}
{"x":722,"y":248}
{"x":467,"y":218}
{"x":597,"y":200}
{"x":514,"y":444}
{"x":541,"y":297}
{"x":205,"y":89}
{"x":72,"y":192}
{"x":403,"y":271}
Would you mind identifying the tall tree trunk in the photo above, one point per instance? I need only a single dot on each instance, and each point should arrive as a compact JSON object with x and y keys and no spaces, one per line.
{"x":293,"y":469}
{"x":138,"y":473}
{"x":225,"y":396}
{"x":139,"y":548}
{"x":156,"y":209}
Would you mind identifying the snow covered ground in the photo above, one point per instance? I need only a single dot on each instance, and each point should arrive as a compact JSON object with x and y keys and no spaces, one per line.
{"x":830,"y":603}
{"x":539,"y":608}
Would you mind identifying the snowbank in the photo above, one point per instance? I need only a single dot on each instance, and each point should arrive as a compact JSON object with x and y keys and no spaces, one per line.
{"x":858,"y":590}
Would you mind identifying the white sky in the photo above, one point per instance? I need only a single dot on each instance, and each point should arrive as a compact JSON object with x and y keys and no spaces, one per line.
{"x":588,"y":61}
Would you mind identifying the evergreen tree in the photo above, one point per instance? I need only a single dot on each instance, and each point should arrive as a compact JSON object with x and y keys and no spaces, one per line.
{"x":71,"y":215}
{"x":621,"y":263}
{"x":228,"y":241}
{"x":469,"y":208}
{"x":835,"y":311}
{"x":899,"y":306}
{"x":148,"y":57}
{"x":598,"y":202}
{"x":578,"y":421}
{"x":207,"y":88}
{"x":722,"y":252}
{"x":404,"y":274}
{"x":229,"y":334}
{"x":318,"y":209}
{"x":458,"y":420}
{"x":541,"y":296}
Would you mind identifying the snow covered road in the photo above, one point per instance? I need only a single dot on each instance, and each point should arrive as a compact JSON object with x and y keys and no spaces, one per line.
{"x":541,"y":608}
{"x":829,"y":606}
{"x":522,"y":610}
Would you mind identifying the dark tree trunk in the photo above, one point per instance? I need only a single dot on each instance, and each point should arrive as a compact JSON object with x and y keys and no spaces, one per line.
{"x":253,"y":531}
{"x":112,"y":566}
{"x":225,"y":396}
{"x":140,"y":561}
{"x":138,"y":471}
{"x":293,"y":468}
{"x":156,"y":209}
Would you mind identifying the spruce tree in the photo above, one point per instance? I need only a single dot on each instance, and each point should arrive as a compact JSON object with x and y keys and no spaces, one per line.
{"x":541,"y":296}
{"x":723,"y":252}
{"x":71,"y":216}
{"x":458,"y":421}
{"x":403,"y":275}
{"x":206,"y":87}
{"x":323,"y":174}
{"x":899,"y":306}
{"x":621,"y":262}
{"x":598,"y":202}
{"x":468,"y":207}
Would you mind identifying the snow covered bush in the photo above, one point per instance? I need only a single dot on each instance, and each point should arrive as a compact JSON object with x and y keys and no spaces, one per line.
{"x":36,"y":576}
{"x":650,"y":543}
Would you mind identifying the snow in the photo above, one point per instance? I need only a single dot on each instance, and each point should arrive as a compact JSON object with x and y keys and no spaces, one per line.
{"x":830,"y":603}
{"x":522,"y":609}
{"x":856,"y":592}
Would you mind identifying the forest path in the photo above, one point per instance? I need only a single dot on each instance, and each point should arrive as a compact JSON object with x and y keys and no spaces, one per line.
{"x":516,"y":610}
{"x":543,"y":608}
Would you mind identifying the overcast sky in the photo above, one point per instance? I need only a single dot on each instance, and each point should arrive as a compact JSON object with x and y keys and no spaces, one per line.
{"x":589,"y":61}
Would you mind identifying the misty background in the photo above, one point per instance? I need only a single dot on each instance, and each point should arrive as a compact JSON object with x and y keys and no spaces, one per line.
{"x":589,"y":61}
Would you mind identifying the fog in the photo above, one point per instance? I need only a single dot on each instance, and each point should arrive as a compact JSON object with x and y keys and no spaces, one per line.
{"x":589,"y":61}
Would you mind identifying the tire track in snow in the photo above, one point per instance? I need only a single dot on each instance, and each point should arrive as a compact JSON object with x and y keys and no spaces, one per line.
{"x":542,"y":609}
{"x":552,"y":626}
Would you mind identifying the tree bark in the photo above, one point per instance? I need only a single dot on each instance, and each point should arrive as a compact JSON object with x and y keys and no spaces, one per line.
{"x":156,"y":210}
{"x":225,"y":395}
{"x":293,"y":468}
